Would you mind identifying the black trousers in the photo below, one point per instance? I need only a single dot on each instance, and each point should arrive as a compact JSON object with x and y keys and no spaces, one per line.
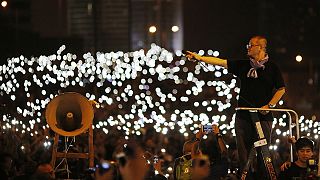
{"x":246,"y":135}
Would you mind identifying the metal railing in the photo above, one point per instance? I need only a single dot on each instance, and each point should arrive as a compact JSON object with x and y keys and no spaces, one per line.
{"x":291,"y":124}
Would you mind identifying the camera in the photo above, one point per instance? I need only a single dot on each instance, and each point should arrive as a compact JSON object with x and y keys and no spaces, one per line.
{"x":312,"y":169}
{"x":312,"y":164}
{"x":206,"y":129}
{"x":103,"y":166}
{"x":155,"y":159}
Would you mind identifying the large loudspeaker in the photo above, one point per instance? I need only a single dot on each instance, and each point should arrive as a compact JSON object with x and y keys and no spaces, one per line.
{"x":69,"y":114}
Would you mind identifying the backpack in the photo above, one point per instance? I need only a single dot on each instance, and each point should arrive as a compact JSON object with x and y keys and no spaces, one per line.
{"x":183,"y":169}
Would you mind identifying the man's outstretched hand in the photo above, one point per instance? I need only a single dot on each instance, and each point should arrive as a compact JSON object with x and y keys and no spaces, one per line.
{"x":191,"y":56}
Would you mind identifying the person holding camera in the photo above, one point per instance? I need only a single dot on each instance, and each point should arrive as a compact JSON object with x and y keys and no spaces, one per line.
{"x":182,"y":165}
{"x":215,"y":147}
{"x":298,"y":169}
{"x":130,"y":163}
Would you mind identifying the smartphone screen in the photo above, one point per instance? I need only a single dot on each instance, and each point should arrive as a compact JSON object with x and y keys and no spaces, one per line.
{"x":155,"y":159}
{"x":104,"y":166}
{"x":207,"y":128}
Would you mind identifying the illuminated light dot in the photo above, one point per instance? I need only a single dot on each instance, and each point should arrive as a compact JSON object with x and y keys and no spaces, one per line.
{"x":196,"y":104}
{"x":275,"y":147}
{"x":216,"y":53}
{"x":174,"y":28}
{"x":201,"y":52}
{"x":217,"y":74}
{"x":4,"y":3}
{"x":210,"y":52}
{"x":204,"y":103}
{"x":152,"y":29}
{"x":281,"y":102}
{"x":298,"y":58}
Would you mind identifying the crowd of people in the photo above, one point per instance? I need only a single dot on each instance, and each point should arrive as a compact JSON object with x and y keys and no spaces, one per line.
{"x":151,"y":155}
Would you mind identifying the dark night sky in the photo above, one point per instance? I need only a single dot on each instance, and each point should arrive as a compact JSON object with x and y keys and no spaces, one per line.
{"x":219,"y":25}
{"x":228,"y":25}
{"x":291,"y":27}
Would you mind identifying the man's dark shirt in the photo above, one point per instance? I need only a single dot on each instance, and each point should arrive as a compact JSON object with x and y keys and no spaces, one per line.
{"x":294,"y":171}
{"x":256,"y":92}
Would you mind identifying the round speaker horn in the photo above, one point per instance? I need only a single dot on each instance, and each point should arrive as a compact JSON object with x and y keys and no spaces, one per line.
{"x":69,"y":114}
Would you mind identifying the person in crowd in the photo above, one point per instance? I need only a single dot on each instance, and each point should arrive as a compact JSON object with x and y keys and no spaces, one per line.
{"x":6,"y":166}
{"x":44,"y":172}
{"x":182,"y":165}
{"x":298,"y":169}
{"x":215,"y":147}
{"x":262,"y":86}
{"x":27,"y":170}
{"x":200,"y":168}
{"x":155,"y":166}
{"x":107,"y":170}
{"x":132,"y":165}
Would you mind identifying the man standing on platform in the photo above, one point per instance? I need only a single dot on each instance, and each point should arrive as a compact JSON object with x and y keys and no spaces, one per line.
{"x":262,"y":86}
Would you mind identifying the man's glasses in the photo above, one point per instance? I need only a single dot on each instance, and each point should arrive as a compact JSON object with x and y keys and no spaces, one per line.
{"x":251,"y":45}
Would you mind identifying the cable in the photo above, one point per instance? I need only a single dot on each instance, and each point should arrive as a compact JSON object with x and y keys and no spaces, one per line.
{"x":67,"y":147}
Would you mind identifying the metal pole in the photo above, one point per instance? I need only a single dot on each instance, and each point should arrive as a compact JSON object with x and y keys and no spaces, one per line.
{"x":290,"y":121}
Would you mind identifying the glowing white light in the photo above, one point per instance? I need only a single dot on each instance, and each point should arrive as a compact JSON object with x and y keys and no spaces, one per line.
{"x":152,"y":29}
{"x":281,"y":102}
{"x":110,"y":72}
{"x":4,"y":3}
{"x":298,"y":58}
{"x":216,"y":53}
{"x":174,"y":28}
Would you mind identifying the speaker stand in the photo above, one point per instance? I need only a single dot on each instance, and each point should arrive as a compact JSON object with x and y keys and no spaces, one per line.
{"x":89,"y":155}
